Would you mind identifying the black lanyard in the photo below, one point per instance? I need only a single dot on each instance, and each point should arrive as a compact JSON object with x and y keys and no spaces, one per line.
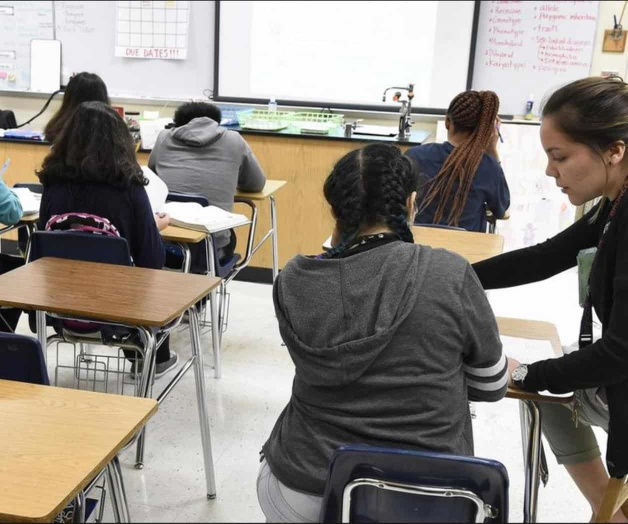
{"x":586,"y":323}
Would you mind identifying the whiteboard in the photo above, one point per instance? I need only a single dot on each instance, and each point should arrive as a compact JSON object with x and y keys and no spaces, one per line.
{"x":87,"y":33}
{"x":21,"y":22}
{"x":532,"y":47}
{"x":343,"y":54}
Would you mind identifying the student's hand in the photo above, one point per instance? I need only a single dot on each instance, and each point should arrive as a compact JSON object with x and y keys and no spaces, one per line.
{"x":491,"y":149}
{"x":162,"y":220}
{"x":512,"y":364}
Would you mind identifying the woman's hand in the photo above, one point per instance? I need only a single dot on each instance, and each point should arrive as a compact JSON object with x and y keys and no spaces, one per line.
{"x":162,"y":220}
{"x":512,"y":364}
{"x":491,"y":148}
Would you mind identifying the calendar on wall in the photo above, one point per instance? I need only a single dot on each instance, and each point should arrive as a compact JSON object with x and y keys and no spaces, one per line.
{"x":152,"y":29}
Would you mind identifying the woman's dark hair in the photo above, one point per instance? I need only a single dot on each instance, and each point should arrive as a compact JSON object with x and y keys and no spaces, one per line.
{"x":370,"y":186}
{"x":592,"y":111}
{"x":82,"y":87}
{"x":191,"y":110}
{"x":94,"y":147}
{"x":474,"y":112}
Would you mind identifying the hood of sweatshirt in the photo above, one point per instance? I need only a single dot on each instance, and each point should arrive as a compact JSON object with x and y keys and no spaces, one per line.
{"x":337,"y":316}
{"x":199,"y":132}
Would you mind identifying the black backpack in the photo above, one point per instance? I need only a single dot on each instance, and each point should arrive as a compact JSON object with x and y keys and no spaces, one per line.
{"x":7,"y":119}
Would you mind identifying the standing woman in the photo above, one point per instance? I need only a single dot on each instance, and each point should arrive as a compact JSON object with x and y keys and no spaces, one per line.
{"x":464,"y":174}
{"x":584,"y":132}
{"x":82,"y":87}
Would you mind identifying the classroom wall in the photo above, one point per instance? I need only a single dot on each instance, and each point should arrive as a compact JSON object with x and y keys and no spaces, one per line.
{"x":26,"y":106}
{"x":608,"y":61}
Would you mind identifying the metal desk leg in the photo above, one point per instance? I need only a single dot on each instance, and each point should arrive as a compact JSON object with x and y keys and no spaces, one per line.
{"x":532,"y":463}
{"x":146,"y":381}
{"x":214,"y":312}
{"x":201,"y":400}
{"x":79,"y":508}
{"x":273,"y":225}
{"x":41,"y":333}
{"x":117,"y":492}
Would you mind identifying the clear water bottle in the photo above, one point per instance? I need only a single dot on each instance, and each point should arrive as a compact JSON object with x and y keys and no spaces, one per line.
{"x":272,"y":105}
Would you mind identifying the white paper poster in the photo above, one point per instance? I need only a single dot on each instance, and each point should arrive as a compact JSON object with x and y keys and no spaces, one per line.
{"x":151,"y":29}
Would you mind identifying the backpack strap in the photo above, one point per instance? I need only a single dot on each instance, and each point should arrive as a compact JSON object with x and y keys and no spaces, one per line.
{"x":82,"y":222}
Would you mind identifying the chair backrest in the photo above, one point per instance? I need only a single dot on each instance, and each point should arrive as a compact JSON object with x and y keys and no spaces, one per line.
{"x":440,"y":226}
{"x":199,"y":255}
{"x":373,"y":484}
{"x":76,"y":245}
{"x":173,"y":196}
{"x":21,"y":359}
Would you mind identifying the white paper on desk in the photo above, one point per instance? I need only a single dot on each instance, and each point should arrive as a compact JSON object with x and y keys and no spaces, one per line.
{"x":157,"y":190}
{"x":30,"y":201}
{"x":194,"y":216}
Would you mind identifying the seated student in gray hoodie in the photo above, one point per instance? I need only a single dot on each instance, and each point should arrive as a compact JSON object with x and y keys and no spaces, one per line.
{"x":390,"y":340}
{"x":198,"y":156}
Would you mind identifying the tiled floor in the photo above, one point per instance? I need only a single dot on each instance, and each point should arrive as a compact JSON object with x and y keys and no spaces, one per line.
{"x":256,"y":382}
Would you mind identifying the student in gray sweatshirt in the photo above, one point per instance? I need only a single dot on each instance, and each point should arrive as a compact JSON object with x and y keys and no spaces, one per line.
{"x":198,"y":156}
{"x":390,"y":340}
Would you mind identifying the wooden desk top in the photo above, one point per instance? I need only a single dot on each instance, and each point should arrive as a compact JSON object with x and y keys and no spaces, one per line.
{"x":271,"y":187}
{"x":182,"y":235}
{"x":471,"y":245}
{"x":534,"y":330}
{"x":531,"y":329}
{"x":55,"y":440}
{"x":30,"y":218}
{"x":128,"y":295}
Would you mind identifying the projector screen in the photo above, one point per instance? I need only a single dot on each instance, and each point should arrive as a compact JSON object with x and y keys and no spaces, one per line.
{"x":342,"y":53}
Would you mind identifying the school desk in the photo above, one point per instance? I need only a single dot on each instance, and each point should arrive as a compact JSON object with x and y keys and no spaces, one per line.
{"x":125,"y":296}
{"x":55,"y":441}
{"x":271,"y":187}
{"x":469,"y":244}
{"x":529,"y":408}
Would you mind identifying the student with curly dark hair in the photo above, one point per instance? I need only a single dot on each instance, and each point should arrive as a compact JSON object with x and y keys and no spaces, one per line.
{"x":464,"y":174}
{"x":199,"y":156}
{"x":92,"y":169}
{"x":82,"y":87}
{"x":390,"y":339}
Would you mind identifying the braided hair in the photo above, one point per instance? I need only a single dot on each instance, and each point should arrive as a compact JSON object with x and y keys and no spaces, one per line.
{"x":370,"y":186}
{"x":474,"y":112}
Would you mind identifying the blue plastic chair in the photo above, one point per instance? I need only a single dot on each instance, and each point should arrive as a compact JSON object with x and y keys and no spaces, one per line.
{"x":22,"y":360}
{"x":199,"y":253}
{"x":78,"y":245}
{"x":373,"y":484}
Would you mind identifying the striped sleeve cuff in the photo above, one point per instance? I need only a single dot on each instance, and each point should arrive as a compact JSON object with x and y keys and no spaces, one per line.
{"x":487,"y":384}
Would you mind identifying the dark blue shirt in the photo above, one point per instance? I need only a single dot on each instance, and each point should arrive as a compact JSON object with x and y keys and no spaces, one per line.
{"x":489,"y":189}
{"x":128,"y":209}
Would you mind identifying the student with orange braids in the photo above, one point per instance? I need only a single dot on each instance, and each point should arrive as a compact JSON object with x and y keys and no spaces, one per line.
{"x":389,"y":339}
{"x":464,"y":175}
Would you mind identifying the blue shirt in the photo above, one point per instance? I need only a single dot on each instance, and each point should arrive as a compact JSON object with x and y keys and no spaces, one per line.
{"x":10,"y":207}
{"x":489,"y":189}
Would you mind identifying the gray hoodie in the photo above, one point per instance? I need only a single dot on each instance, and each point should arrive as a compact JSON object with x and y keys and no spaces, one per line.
{"x":389,"y":346}
{"x":203,"y":158}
